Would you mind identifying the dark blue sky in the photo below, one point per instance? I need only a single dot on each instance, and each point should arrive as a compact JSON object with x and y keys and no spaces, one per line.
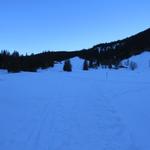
{"x":37,"y":25}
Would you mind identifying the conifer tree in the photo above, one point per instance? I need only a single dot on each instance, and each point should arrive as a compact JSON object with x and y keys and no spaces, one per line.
{"x":85,"y":65}
{"x":67,"y":66}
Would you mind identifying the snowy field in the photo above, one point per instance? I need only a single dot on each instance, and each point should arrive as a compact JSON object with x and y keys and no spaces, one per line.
{"x":94,"y":110}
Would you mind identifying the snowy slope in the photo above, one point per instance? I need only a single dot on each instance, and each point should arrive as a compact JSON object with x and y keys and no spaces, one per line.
{"x":142,"y":61}
{"x":77,"y":65}
{"x":55,"y":110}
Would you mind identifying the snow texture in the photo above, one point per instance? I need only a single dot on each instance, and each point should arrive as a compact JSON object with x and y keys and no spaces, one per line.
{"x":82,"y":110}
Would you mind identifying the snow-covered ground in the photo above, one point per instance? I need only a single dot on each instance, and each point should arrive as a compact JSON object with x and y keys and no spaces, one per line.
{"x":82,"y":110}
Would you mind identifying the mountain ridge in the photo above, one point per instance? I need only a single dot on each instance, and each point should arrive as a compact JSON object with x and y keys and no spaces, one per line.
{"x":104,"y":54}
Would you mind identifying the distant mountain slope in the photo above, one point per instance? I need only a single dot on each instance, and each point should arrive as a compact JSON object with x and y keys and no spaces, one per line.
{"x":138,"y":41}
{"x":105,"y":54}
{"x":114,"y":52}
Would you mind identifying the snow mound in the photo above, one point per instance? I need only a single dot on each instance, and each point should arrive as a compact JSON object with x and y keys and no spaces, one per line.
{"x":142,"y":61}
{"x":76,"y":62}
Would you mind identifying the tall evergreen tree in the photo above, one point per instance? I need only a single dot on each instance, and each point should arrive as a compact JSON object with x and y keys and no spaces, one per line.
{"x":85,"y":65}
{"x":67,"y":66}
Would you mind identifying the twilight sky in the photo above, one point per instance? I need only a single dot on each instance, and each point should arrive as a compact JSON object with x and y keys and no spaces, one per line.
{"x":38,"y":25}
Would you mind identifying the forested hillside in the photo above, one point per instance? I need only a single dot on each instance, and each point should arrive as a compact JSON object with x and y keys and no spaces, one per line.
{"x":105,"y":54}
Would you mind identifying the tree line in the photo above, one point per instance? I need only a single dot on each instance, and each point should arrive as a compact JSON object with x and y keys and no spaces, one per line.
{"x":15,"y":62}
{"x":106,"y":55}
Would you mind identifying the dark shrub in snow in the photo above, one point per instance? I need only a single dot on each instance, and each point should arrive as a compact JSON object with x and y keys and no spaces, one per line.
{"x":85,"y":65}
{"x":133,"y":65}
{"x":67,"y":66}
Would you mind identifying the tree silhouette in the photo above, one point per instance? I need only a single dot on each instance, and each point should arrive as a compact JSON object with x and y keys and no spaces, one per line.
{"x":85,"y":65}
{"x":67,"y":66}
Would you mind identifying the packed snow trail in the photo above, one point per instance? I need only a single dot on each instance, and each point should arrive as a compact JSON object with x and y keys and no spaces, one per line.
{"x":59,"y":111}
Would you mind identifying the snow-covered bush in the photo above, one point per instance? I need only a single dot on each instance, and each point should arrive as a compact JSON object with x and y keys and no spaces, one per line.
{"x":126,"y":63}
{"x":133,"y":65}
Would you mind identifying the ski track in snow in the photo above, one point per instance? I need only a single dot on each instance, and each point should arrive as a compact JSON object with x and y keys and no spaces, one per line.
{"x":69,"y":120}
